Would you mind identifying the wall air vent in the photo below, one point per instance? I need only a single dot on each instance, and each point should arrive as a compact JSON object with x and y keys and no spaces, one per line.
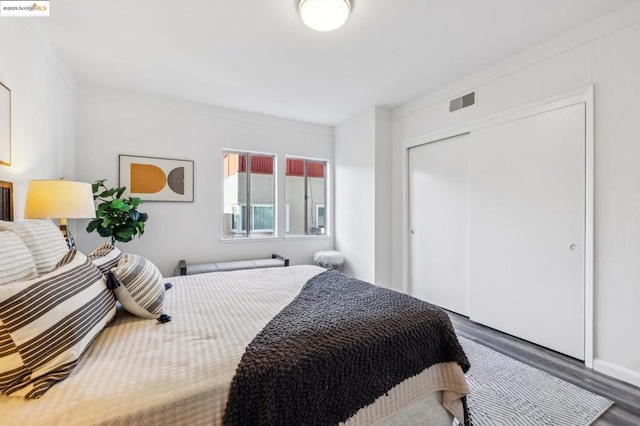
{"x":462,"y":102}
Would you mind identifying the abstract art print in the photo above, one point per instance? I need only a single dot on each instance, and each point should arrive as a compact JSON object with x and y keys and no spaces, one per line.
{"x":157,"y":179}
{"x":5,"y":125}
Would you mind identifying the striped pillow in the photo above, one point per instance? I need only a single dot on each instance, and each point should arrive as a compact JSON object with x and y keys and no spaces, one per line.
{"x":139,"y":286}
{"x":47,"y":323}
{"x":44,"y":240}
{"x":67,"y":258}
{"x":105,"y":257}
{"x":16,"y":263}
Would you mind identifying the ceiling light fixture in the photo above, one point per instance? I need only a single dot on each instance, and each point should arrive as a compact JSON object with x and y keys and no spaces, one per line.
{"x":324,"y":15}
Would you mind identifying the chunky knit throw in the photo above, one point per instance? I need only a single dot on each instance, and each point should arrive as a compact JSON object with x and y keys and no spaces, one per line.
{"x":337,"y":347}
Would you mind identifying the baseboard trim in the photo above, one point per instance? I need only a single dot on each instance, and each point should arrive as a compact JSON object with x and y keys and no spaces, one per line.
{"x":620,"y":373}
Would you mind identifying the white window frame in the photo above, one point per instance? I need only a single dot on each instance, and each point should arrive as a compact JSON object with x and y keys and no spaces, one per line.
{"x":287,"y":218}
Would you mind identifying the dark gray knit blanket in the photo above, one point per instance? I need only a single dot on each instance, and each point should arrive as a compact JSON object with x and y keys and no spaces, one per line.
{"x":337,"y":347}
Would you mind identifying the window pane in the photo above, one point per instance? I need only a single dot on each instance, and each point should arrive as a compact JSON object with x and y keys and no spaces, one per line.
{"x":262,"y":195}
{"x":249,"y":195}
{"x":235,"y":195}
{"x":294,"y":195}
{"x":305,"y":184}
{"x":315,"y":197}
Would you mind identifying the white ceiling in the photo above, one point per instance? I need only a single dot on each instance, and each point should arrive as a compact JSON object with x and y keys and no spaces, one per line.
{"x":257,"y":55}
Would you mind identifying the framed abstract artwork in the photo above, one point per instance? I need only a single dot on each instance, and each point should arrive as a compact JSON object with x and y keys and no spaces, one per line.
{"x":157,"y":179}
{"x":5,"y":125}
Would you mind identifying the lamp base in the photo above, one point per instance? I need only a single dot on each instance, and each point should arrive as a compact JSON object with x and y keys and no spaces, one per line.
{"x":71,"y":243}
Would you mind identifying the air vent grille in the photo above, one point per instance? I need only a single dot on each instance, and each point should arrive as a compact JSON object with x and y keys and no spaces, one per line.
{"x":462,"y":102}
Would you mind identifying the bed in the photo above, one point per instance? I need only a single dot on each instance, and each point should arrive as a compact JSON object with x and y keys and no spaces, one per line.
{"x":180,"y":373}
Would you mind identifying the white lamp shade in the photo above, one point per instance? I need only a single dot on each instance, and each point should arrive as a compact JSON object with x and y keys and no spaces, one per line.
{"x":324,"y":15}
{"x":59,"y":199}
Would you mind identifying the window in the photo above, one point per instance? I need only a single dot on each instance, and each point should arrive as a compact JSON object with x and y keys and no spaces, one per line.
{"x":320,"y":215}
{"x":252,"y":186}
{"x":305,"y":193}
{"x":261,"y":218}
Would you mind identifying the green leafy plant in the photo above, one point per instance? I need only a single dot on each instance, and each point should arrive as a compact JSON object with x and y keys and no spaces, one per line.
{"x":116,"y":216}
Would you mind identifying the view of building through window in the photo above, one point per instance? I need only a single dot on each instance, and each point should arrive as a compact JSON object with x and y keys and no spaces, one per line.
{"x":249,"y":195}
{"x":305,"y":192}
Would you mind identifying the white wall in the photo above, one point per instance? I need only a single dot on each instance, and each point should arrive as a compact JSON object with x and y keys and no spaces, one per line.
{"x":363,"y":193}
{"x":355,"y":195}
{"x":43,"y":108}
{"x":112,"y":123}
{"x":603,"y":53}
{"x":383,"y":204}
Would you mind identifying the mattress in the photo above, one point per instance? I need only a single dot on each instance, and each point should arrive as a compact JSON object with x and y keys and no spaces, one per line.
{"x":179,"y":373}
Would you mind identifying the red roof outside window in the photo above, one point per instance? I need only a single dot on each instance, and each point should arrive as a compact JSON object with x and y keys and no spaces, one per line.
{"x":295,"y":167}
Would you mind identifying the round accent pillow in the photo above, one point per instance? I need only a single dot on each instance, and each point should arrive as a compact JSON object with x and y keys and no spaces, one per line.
{"x":138,"y":286}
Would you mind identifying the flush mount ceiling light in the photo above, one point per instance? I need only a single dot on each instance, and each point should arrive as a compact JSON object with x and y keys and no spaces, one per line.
{"x":324,"y":15}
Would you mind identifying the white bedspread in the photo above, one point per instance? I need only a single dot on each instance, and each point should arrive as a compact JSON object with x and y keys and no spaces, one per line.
{"x":178,"y":373}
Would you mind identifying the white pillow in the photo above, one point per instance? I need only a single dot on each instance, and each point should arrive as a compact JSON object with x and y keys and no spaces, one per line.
{"x":48,"y":323}
{"x":16,"y":262}
{"x":43,"y":239}
{"x":139,"y":286}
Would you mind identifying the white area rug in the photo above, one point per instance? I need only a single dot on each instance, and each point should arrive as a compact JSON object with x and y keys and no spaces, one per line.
{"x":505,"y":391}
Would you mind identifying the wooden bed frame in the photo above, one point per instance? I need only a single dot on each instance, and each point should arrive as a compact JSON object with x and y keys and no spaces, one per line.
{"x":6,"y":201}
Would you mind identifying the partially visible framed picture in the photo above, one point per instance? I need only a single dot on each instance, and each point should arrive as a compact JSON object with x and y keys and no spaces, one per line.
{"x":157,"y":179}
{"x":5,"y":125}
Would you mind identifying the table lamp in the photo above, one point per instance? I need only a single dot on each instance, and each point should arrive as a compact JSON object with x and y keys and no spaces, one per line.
{"x":60,"y":199}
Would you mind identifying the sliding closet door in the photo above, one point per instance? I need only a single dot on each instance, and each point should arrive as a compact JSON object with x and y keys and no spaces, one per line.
{"x":527,"y":228}
{"x":439,"y":220}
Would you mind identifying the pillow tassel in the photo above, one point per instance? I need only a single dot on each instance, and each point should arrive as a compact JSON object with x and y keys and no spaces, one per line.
{"x":164,"y":318}
{"x":112,"y":281}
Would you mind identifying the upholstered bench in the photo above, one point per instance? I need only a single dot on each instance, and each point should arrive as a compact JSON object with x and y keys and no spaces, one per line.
{"x":201,"y":268}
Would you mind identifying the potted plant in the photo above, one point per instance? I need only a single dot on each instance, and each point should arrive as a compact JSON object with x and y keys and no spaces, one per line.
{"x":116,"y":216}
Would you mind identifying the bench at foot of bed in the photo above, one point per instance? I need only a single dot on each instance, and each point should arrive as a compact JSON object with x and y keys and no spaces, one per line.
{"x":201,"y":268}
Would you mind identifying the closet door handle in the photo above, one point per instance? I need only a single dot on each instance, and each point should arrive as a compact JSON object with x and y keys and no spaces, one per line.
{"x":573,"y":247}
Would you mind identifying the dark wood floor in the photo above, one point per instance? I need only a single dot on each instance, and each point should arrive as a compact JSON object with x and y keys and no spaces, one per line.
{"x":626,"y":408}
